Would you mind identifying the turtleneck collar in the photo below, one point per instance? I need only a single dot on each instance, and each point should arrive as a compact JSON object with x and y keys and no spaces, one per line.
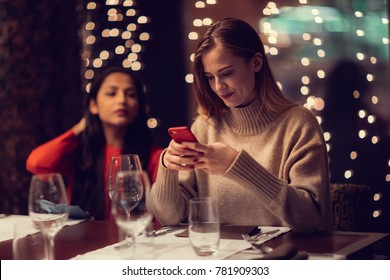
{"x":250,"y":119}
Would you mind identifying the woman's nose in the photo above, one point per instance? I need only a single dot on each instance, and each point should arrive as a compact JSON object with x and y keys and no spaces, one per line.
{"x":121,"y":97}
{"x":220,"y":85}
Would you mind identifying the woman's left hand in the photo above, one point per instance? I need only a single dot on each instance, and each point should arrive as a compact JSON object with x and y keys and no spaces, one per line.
{"x":216,"y":158}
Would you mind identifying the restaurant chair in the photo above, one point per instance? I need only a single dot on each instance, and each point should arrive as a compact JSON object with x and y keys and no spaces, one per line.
{"x":350,"y":207}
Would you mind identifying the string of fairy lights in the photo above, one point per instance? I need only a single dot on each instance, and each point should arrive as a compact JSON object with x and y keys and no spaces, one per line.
{"x":316,"y":19}
{"x":115,"y":31}
{"x":198,"y":25}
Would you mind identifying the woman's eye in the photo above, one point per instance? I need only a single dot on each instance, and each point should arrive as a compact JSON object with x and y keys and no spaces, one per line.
{"x":227,"y":73}
{"x":110,"y":93}
{"x":209,"y":77}
{"x":131,"y":94}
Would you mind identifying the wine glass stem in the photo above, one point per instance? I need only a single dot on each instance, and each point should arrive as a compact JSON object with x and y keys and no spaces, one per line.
{"x":49,"y":246}
{"x":127,"y":234}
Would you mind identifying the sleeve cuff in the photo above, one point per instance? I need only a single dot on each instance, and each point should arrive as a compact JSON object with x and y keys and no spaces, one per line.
{"x":248,"y":172}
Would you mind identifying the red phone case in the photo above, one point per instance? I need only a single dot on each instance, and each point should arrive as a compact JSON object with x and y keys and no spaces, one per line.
{"x":182,"y":134}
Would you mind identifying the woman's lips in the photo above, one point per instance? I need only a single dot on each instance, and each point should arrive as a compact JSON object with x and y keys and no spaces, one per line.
{"x":121,"y":112}
{"x":226,"y":96}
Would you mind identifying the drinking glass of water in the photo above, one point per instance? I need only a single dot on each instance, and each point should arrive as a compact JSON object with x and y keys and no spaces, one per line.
{"x":204,"y":230}
{"x":129,"y":189}
{"x":48,"y":206}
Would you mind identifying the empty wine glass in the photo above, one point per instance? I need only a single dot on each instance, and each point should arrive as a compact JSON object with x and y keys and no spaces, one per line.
{"x":122,"y":163}
{"x":129,"y":189}
{"x":48,"y":206}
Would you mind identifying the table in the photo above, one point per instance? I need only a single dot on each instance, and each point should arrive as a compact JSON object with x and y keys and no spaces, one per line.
{"x":92,"y":235}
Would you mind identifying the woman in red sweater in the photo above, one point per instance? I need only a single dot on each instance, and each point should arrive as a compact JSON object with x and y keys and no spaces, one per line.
{"x":114,"y":123}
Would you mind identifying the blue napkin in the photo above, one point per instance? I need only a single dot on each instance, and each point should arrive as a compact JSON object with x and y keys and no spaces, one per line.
{"x":75,"y":211}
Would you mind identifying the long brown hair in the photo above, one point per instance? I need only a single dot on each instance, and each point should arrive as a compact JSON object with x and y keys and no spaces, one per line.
{"x":242,"y":40}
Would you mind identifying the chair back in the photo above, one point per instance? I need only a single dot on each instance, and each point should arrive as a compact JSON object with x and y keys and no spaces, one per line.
{"x":351,"y":208}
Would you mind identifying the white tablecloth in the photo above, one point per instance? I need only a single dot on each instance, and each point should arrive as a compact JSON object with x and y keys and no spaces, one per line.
{"x":170,"y":247}
{"x":7,"y":225}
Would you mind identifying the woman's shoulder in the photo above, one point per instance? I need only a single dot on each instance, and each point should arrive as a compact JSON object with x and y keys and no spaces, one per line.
{"x":299,"y":110}
{"x":299,"y":120}
{"x":298,"y":114}
{"x":202,"y":127}
{"x":203,"y":123}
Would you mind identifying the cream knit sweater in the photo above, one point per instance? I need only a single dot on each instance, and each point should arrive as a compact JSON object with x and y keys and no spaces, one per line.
{"x":279,"y":178}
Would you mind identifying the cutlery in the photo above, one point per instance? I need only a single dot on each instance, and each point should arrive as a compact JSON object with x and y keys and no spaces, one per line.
{"x":259,"y":247}
{"x":164,"y":231}
{"x":122,"y":245}
{"x":257,"y":236}
{"x":262,"y":248}
{"x":254,"y":238}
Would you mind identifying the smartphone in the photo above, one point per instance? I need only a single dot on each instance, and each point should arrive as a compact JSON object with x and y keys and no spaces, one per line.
{"x":182,"y":134}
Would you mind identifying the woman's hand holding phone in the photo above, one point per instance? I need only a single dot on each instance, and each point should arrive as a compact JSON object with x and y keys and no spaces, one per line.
{"x":186,"y":153}
{"x":178,"y":156}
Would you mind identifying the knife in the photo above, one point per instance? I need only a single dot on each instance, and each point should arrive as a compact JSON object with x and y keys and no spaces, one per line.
{"x":164,"y":231}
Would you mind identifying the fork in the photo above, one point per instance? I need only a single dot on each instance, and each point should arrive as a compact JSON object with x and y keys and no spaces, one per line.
{"x":257,"y":236}
{"x":259,"y":247}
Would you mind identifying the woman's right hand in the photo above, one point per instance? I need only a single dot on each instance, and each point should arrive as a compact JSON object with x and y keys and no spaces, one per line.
{"x":179,"y":157}
{"x":80,"y":126}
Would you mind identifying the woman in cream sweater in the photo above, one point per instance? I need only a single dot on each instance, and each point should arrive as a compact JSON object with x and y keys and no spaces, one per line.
{"x":260,"y":155}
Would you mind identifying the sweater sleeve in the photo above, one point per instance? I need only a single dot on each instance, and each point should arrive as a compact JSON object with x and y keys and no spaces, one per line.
{"x":169,"y":198}
{"x":53,"y":156}
{"x":300,"y":194}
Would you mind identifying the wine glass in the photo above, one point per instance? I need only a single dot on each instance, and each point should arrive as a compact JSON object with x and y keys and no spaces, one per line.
{"x":129,"y":190}
{"x":48,"y":206}
{"x":122,"y":163}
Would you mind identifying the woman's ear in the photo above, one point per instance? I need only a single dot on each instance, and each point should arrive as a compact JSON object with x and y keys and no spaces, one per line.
{"x":257,"y":61}
{"x":93,"y":108}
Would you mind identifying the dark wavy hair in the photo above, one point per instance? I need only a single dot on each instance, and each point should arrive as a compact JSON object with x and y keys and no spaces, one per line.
{"x":243,"y":41}
{"x":89,"y":160}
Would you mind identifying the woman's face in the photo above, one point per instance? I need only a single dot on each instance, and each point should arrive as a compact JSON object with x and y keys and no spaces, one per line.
{"x":231,"y":77}
{"x":116,"y":103}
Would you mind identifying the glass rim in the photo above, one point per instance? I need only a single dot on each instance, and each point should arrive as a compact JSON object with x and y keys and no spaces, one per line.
{"x":125,"y":155}
{"x":47,"y":174}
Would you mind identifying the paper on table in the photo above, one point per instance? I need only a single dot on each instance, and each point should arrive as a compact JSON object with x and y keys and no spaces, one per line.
{"x":7,"y":225}
{"x":171,"y":247}
{"x":228,"y":232}
{"x":266,"y":237}
{"x":249,"y":253}
{"x":166,"y":247}
{"x":235,"y":232}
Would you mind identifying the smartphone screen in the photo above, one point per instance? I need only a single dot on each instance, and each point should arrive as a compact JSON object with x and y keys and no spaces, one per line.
{"x":182,"y":134}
